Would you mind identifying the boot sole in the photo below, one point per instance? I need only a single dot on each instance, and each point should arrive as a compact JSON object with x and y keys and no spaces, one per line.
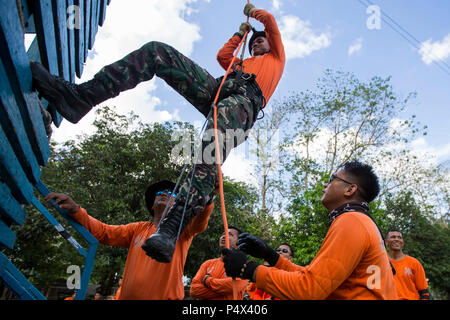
{"x":159,"y":249}
{"x":42,"y":83}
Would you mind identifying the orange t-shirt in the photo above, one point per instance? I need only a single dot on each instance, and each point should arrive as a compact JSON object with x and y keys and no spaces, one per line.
{"x":409,"y":278}
{"x":218,"y":286}
{"x":251,"y":290}
{"x":262,"y":295}
{"x":257,"y":294}
{"x":351,"y":264}
{"x":143,"y":277}
{"x":269,"y":67}
{"x":116,"y":297}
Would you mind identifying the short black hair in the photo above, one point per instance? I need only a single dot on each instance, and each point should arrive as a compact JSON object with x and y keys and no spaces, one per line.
{"x":365,"y":178}
{"x":255,"y":35}
{"x":392,"y":230}
{"x":235,"y":228}
{"x":290,"y":247}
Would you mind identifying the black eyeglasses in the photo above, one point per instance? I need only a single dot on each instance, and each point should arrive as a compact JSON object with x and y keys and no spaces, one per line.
{"x":284,"y":250}
{"x":333,"y":177}
{"x":165,"y":191}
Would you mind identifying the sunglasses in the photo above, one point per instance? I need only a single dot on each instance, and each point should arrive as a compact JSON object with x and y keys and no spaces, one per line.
{"x":284,"y":250}
{"x":335,"y":177}
{"x":170,"y":193}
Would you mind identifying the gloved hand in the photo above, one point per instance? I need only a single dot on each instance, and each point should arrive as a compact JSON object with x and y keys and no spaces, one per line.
{"x":257,"y":248}
{"x":237,"y":265}
{"x":248,"y":9}
{"x":244,"y":27}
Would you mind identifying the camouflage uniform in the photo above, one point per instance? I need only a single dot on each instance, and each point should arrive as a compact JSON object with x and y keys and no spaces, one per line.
{"x":238,"y":105}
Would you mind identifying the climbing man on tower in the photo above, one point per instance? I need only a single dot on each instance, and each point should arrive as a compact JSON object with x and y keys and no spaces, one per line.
{"x":244,"y":93}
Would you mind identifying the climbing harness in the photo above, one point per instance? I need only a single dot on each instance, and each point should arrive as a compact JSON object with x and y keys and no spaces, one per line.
{"x":239,"y":78}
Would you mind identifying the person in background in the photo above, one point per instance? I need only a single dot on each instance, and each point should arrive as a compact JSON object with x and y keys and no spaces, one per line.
{"x":410,"y":276}
{"x":98,"y":296}
{"x":116,"y":297}
{"x":211,"y":282}
{"x":285,"y":250}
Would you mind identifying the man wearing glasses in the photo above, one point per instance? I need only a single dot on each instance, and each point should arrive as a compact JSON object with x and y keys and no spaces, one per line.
{"x":286,"y":251}
{"x":352,"y":262}
{"x":143,"y":278}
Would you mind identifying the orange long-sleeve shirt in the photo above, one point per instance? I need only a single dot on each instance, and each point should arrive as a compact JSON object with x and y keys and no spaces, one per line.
{"x":269,"y":67}
{"x":218,"y":286}
{"x":143,"y":277}
{"x":410,"y":278}
{"x":351,"y":264}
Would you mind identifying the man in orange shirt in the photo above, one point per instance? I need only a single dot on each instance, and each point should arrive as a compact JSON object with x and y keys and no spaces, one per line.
{"x":243,"y":95}
{"x":410,"y":275}
{"x":72,"y":297}
{"x":143,"y":277}
{"x":352,"y":262}
{"x":117,"y":295}
{"x":211,"y":282}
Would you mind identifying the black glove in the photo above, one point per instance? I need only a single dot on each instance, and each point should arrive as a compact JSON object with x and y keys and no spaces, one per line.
{"x":237,"y":265}
{"x":257,"y":248}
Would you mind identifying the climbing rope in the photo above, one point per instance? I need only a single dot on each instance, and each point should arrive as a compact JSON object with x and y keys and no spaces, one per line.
{"x":218,"y":159}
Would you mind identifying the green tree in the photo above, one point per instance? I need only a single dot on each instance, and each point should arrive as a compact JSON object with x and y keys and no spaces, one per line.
{"x":305,"y":225}
{"x":344,"y":119}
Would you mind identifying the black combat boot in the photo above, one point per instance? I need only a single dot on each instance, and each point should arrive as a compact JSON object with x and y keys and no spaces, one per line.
{"x":72,"y":101}
{"x":161,"y":245}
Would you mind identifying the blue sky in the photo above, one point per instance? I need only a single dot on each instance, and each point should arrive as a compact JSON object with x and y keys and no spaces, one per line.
{"x":318,"y":34}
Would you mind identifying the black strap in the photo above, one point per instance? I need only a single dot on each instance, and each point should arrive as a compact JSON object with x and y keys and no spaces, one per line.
{"x":424,"y":294}
{"x":362,"y":207}
{"x":393,"y":269}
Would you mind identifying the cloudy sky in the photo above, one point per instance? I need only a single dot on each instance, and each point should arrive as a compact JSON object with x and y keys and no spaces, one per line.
{"x":317,"y":34}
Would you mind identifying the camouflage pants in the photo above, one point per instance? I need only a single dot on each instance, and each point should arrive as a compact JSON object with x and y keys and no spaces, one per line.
{"x":238,"y":107}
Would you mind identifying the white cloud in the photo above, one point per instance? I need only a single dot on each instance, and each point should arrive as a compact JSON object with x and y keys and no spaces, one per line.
{"x":241,"y":163}
{"x":435,"y":51}
{"x":239,"y":167}
{"x":276,"y":5}
{"x":355,"y":46}
{"x":299,"y":39}
{"x":424,"y":150}
{"x":128,"y":26}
